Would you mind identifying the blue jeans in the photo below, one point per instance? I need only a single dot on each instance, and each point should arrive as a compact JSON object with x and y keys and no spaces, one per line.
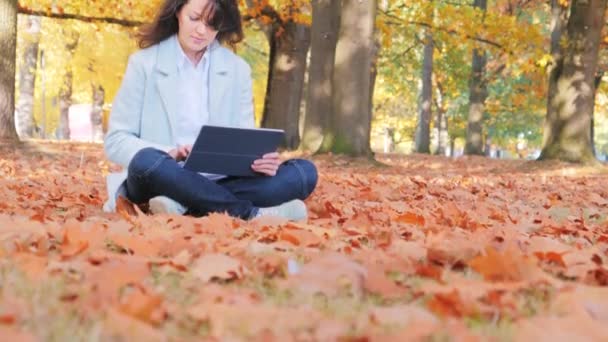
{"x":154,"y":173}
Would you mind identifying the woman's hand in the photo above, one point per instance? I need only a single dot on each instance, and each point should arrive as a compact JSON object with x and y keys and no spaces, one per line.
{"x":268,"y":164}
{"x":181,"y":152}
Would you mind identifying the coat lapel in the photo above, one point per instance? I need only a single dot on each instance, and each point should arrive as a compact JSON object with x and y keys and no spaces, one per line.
{"x":219,"y":77}
{"x":168,"y":83}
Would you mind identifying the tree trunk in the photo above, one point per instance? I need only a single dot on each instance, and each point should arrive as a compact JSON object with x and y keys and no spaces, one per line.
{"x":423,"y":128}
{"x":477,"y":98}
{"x":65,"y":101}
{"x":375,"y":55}
{"x":559,"y":20}
{"x":570,"y":106}
{"x":442,"y":122}
{"x":65,"y":94}
{"x":596,"y":82}
{"x":285,"y":85}
{"x":42,"y":61}
{"x":351,"y":82}
{"x":324,"y":36}
{"x":8,"y":45}
{"x":452,"y":146}
{"x":27,"y":79}
{"x":99,"y":95}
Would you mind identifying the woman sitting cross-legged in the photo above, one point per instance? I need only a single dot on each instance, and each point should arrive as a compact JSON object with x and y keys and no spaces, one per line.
{"x":182,"y":79}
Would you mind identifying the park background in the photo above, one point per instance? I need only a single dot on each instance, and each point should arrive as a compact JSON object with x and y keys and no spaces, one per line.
{"x":398,"y":246}
{"x":72,"y":55}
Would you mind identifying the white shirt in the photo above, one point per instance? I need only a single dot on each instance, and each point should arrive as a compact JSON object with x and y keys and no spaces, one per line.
{"x":193,"y":109}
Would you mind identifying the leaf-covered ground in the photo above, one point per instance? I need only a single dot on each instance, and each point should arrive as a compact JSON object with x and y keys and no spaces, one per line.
{"x":415,"y":248}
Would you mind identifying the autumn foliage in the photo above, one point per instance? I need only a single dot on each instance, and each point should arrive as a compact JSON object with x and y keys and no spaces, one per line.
{"x":418,"y":247}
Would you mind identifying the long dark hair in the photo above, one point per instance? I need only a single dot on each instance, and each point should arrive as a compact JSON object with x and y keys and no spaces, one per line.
{"x":223,"y":15}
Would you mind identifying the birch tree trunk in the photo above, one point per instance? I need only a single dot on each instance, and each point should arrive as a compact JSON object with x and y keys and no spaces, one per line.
{"x":96,"y":116}
{"x":65,"y":94}
{"x":27,"y":79}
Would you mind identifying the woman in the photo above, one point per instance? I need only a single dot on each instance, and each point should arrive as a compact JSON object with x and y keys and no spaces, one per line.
{"x":184,"y":78}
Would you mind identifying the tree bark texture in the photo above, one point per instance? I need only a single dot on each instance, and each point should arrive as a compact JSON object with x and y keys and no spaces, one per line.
{"x":26,"y":125}
{"x":596,"y":82}
{"x":96,"y":116}
{"x":324,"y":36}
{"x":423,"y":128}
{"x":567,"y":134}
{"x":287,"y":68}
{"x":8,"y":45}
{"x":351,"y":82}
{"x":442,"y":122}
{"x":65,"y":94}
{"x":477,"y":98}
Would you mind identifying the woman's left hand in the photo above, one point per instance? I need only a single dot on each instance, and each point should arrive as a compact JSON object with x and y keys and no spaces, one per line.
{"x":268,"y":164}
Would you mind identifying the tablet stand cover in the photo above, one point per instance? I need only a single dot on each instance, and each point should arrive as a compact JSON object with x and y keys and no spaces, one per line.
{"x":231,"y":151}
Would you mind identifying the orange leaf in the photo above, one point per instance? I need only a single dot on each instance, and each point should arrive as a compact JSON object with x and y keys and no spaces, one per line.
{"x":125,"y":207}
{"x":377,"y":282}
{"x":220,"y":266}
{"x":111,"y":275}
{"x":506,"y":266}
{"x":551,"y":257}
{"x":429,"y":271}
{"x":34,"y":266}
{"x":411,"y":218}
{"x":330,"y":274}
{"x":291,"y":238}
{"x":129,"y":328}
{"x":14,"y":335}
{"x":302,"y":237}
{"x":449,"y":304}
{"x":73,"y":249}
{"x":138,"y":303}
{"x":331,"y":209}
{"x":138,"y":245}
{"x":7,"y":318}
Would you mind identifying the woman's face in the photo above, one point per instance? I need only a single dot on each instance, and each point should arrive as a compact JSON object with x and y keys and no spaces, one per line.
{"x":194,"y":34}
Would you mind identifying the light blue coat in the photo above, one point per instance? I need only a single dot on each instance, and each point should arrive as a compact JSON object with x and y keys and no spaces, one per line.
{"x":145,"y":108}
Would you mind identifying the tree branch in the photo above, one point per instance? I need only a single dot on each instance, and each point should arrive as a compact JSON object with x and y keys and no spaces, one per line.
{"x":107,"y":20}
{"x":451,"y":31}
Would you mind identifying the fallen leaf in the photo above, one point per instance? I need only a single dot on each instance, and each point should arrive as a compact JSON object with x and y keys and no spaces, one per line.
{"x":330,"y":274}
{"x":136,"y":301}
{"x":13,"y":334}
{"x":377,"y":282}
{"x":301,"y":237}
{"x":561,"y":328}
{"x":452,"y":247}
{"x":118,"y":325}
{"x":450,"y":304}
{"x":411,"y":218}
{"x":506,"y":266}
{"x":217,"y":266}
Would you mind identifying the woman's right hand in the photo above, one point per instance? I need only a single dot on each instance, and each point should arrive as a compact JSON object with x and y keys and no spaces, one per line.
{"x":181,"y":152}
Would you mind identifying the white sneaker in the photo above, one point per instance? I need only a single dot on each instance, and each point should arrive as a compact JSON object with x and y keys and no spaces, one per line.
{"x":165,"y":205}
{"x":294,"y":210}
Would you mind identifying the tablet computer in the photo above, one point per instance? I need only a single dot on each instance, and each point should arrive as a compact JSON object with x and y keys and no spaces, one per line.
{"x":231,"y":151}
